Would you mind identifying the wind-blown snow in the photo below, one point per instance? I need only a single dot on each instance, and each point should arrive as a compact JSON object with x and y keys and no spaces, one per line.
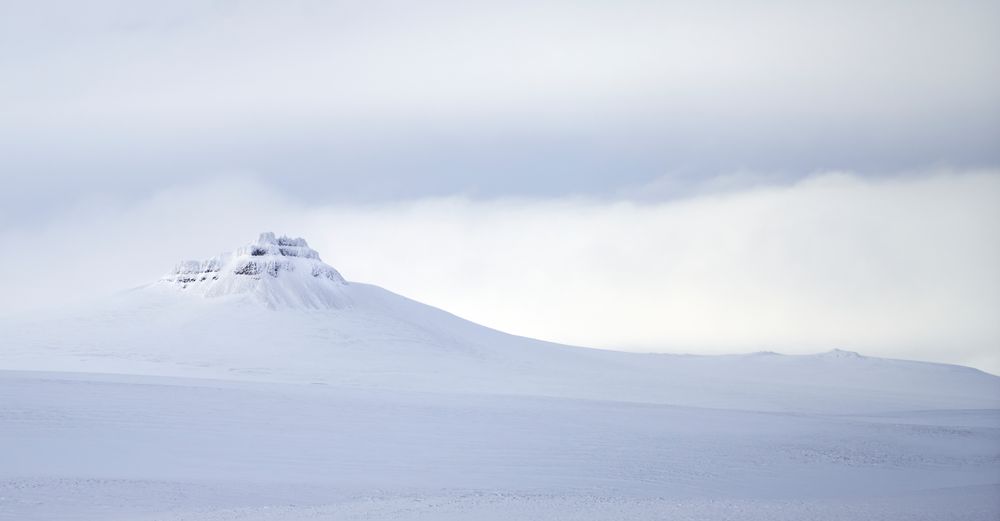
{"x":262,"y":385}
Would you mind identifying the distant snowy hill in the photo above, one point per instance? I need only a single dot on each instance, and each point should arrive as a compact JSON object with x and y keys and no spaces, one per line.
{"x":261,"y":385}
{"x":274,"y":311}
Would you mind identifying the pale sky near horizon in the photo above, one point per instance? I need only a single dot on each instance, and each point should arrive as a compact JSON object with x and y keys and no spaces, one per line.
{"x":677,"y":176}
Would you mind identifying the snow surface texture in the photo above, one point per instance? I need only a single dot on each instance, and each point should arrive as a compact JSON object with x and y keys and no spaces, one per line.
{"x":261,"y":385}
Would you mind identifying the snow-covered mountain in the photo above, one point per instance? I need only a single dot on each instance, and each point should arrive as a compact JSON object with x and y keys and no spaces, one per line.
{"x":272,"y":310}
{"x":261,"y":385}
{"x":273,"y":271}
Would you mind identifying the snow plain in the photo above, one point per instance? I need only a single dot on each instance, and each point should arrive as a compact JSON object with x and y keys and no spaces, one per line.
{"x":302,"y":396}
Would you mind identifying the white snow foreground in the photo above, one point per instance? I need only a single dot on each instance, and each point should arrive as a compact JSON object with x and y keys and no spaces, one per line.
{"x":262,"y":385}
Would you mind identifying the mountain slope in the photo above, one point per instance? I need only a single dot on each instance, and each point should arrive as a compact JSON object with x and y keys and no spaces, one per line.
{"x":273,"y":311}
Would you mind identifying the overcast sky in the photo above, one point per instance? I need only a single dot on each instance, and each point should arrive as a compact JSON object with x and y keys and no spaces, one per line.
{"x":680,"y":176}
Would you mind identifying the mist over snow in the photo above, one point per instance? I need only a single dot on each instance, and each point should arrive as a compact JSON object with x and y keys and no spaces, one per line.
{"x":900,"y":266}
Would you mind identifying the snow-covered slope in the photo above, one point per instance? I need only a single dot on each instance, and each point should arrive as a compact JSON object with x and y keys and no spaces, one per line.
{"x":126,"y":448}
{"x":273,"y":311}
{"x":262,"y":385}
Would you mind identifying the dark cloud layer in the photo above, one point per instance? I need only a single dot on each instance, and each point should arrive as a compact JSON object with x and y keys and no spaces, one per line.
{"x":394,"y":100}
